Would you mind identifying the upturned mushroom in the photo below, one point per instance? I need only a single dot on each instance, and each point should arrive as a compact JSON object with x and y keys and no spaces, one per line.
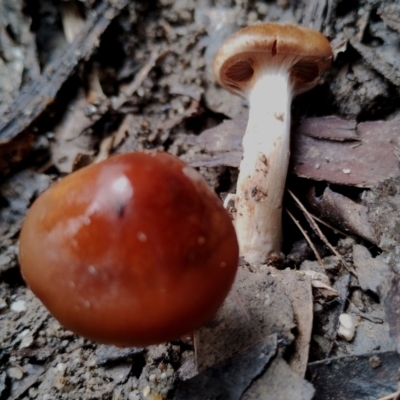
{"x":268,"y":64}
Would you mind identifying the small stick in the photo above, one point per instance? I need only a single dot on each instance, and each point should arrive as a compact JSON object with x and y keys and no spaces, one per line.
{"x":319,"y":232}
{"x":335,"y":230}
{"x":317,"y":256}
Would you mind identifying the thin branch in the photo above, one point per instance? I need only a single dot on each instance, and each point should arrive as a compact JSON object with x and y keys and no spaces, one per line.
{"x":317,"y":256}
{"x":318,"y":231}
{"x":335,"y":230}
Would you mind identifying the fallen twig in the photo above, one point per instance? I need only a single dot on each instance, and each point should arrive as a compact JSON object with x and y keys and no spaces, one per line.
{"x":335,"y":230}
{"x":317,"y":256}
{"x":318,"y":231}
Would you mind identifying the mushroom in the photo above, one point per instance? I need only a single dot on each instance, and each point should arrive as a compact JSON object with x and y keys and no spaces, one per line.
{"x":268,"y":64}
{"x":132,"y":251}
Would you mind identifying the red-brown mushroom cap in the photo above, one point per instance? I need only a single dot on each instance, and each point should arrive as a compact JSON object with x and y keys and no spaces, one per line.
{"x":132,"y":251}
{"x":305,"y":52}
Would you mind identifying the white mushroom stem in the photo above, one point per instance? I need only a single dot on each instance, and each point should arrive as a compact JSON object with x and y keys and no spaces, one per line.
{"x":264,"y":166}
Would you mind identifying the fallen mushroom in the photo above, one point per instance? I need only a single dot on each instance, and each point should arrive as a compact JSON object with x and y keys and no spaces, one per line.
{"x":132,"y":251}
{"x":268,"y":64}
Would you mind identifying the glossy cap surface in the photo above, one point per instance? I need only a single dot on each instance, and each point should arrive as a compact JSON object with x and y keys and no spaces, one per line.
{"x":133,"y":251}
{"x":305,"y":52}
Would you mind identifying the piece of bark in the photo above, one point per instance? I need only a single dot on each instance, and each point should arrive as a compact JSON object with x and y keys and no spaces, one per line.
{"x":363,"y":164}
{"x":39,"y":93}
{"x":331,"y":128}
{"x":279,"y":382}
{"x":230,"y":378}
{"x":256,"y":307}
{"x":324,"y":148}
{"x":370,"y":271}
{"x":342,"y":212}
{"x":221,"y":145}
{"x":366,"y":377}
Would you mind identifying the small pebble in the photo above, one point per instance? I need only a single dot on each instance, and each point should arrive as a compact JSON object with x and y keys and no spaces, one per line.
{"x":18,"y":306}
{"x":15,"y":373}
{"x":61,"y":367}
{"x":26,"y":339}
{"x":318,"y":308}
{"x":134,"y":395}
{"x":262,"y":8}
{"x":347,"y":327}
{"x":33,"y":392}
{"x":375,"y":362}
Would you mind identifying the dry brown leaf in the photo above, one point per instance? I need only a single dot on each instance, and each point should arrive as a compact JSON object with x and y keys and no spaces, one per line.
{"x":256,"y":307}
{"x":298,"y":288}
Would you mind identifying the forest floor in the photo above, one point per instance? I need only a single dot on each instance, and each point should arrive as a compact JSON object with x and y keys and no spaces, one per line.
{"x":83,"y":80}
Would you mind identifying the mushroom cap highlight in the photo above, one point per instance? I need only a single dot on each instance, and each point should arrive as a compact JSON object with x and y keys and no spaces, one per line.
{"x":305,"y":52}
{"x":132,"y":251}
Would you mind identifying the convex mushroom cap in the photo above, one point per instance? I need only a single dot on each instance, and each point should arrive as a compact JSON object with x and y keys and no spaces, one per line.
{"x":131,"y":251}
{"x":305,"y":52}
